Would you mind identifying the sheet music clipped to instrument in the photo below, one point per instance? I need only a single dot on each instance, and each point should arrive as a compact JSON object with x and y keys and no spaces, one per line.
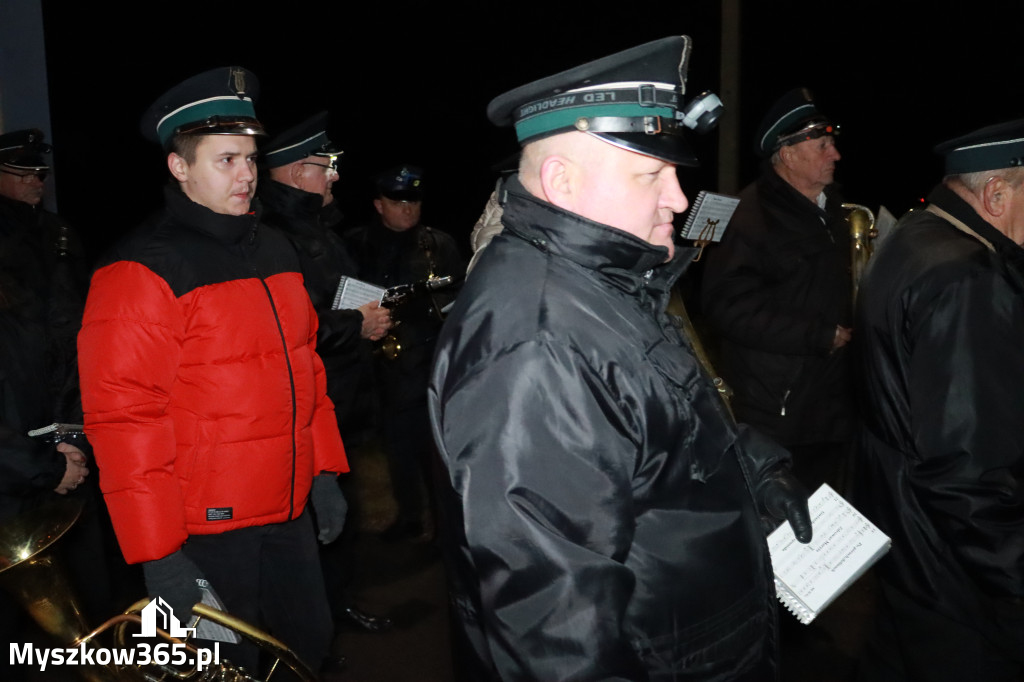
{"x":709,"y":216}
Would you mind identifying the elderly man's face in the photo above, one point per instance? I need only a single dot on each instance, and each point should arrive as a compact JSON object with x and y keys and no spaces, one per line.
{"x":19,"y":185}
{"x":635,"y":193}
{"x":223,"y":176}
{"x":813,"y":162}
{"x":317,"y":176}
{"x":1013,"y":227}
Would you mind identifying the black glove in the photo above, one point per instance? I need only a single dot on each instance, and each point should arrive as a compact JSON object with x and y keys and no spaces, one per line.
{"x":783,"y":497}
{"x":173,"y":579}
{"x":330,"y":506}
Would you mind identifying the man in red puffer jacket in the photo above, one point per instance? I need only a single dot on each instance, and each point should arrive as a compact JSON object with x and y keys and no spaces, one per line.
{"x":203,"y":394}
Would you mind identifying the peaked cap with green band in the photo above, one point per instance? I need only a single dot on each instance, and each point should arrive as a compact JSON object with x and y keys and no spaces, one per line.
{"x":305,"y":139}
{"x":792,"y":119}
{"x":216,"y":102}
{"x":630,"y":99}
{"x":990,"y":148}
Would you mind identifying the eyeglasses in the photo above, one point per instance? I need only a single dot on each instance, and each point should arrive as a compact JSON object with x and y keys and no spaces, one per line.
{"x":27,"y":178}
{"x":329,"y":168}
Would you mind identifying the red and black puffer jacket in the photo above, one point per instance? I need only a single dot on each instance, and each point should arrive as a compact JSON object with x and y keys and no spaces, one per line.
{"x":203,"y":394}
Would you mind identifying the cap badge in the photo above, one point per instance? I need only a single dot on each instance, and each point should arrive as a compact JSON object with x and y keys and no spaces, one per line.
{"x":237,"y":84}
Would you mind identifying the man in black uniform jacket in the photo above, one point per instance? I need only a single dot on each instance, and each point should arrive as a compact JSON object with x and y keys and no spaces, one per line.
{"x":398,"y":249}
{"x":777,"y":294}
{"x":43,"y":281}
{"x":941,"y":320}
{"x":602,"y":509}
{"x":297,"y":200}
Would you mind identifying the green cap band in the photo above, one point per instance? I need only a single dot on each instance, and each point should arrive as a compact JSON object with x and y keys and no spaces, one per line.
{"x":227,"y":106}
{"x":565,"y":119}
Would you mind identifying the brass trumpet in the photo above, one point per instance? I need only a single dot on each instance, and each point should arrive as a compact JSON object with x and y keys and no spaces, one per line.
{"x":394,"y":297}
{"x":390,"y":347}
{"x":32,"y":573}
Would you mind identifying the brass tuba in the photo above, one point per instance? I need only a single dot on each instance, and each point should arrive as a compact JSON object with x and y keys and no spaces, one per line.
{"x":862,"y":232}
{"x":32,"y":573}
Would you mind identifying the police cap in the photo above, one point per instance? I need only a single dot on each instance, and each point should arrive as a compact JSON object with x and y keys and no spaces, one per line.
{"x":401,"y":183}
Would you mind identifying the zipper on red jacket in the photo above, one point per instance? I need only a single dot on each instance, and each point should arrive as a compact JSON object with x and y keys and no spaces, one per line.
{"x":287,"y":361}
{"x":291,"y":382}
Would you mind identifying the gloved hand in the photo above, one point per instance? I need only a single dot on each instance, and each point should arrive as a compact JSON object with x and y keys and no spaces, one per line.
{"x":173,"y":579}
{"x":329,"y":505}
{"x":783,"y":498}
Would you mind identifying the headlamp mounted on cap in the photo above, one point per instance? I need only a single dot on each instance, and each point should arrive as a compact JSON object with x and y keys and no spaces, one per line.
{"x":631,"y":99}
{"x":792,"y":119}
{"x":812,"y":130}
{"x":700,"y":115}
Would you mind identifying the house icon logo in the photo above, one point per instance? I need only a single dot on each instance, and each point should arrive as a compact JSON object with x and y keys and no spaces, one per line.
{"x":159,"y":614}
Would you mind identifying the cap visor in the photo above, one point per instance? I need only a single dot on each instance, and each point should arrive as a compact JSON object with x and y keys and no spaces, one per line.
{"x":671,"y":148}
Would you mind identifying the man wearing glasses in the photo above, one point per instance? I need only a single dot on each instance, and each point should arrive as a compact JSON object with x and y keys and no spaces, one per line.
{"x":43,"y":279}
{"x":44,"y":272}
{"x":297,"y":200}
{"x":23,"y":171}
{"x":303,"y":166}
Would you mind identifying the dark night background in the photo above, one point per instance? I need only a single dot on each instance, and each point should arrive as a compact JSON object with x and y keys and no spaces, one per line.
{"x":409,"y":82}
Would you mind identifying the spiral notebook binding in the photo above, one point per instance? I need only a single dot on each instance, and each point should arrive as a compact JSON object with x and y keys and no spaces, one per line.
{"x":794,"y":605}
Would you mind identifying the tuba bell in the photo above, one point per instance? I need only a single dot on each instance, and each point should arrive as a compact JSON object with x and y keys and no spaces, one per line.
{"x":862,"y":233}
{"x":33,"y":574}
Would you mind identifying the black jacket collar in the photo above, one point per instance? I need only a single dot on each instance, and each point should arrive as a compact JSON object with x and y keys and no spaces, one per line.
{"x":289,"y":201}
{"x":627,"y":261}
{"x":229,"y":229}
{"x":786,"y":194}
{"x":18,"y":212}
{"x":951,"y":202}
{"x":295,"y":210}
